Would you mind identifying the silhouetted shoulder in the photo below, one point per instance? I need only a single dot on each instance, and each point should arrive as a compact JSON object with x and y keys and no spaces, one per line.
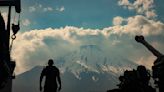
{"x":56,"y":69}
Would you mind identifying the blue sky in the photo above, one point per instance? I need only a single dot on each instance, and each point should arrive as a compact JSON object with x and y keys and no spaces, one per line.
{"x":80,"y":13}
{"x":52,"y":28}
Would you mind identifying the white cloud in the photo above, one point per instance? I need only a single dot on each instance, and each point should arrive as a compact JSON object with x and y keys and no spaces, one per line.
{"x":36,"y":42}
{"x":26,"y":22}
{"x":146,"y":61}
{"x":151,"y":14}
{"x":124,"y":2}
{"x":140,"y":6}
{"x":42,"y":8}
{"x":117,"y":20}
{"x":61,"y":9}
{"x":47,"y":9}
{"x":35,"y":47}
{"x":32,"y":8}
{"x":139,"y":25}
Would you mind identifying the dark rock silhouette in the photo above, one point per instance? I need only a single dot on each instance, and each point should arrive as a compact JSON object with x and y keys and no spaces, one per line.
{"x":158,"y":68}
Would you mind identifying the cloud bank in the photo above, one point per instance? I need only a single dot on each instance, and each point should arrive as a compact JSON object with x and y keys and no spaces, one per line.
{"x":137,"y":25}
{"x":35,"y":47}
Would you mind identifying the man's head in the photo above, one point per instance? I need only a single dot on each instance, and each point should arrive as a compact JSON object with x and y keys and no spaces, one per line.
{"x":50,"y":62}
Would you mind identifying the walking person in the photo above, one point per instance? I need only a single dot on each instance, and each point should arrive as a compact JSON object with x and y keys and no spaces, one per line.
{"x":52,"y":78}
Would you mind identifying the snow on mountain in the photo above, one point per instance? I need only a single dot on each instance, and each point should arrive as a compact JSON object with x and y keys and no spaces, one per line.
{"x":92,"y":58}
{"x":85,"y":70}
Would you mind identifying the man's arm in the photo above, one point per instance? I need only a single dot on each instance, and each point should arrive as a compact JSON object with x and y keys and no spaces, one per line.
{"x":59,"y":80}
{"x":41,"y":78}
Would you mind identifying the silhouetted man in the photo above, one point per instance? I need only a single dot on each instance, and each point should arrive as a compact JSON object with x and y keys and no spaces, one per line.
{"x":52,"y":75}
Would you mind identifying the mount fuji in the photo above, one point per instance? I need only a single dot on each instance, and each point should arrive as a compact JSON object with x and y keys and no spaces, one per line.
{"x":86,"y":69}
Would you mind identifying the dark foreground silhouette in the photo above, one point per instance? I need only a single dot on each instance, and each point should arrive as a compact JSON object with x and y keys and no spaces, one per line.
{"x":4,"y":70}
{"x":52,"y":75}
{"x":158,"y":68}
{"x":7,"y":66}
{"x":138,"y":80}
{"x":134,"y":81}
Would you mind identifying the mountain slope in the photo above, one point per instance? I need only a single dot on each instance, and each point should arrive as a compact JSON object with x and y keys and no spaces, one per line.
{"x":85,"y":70}
{"x":86,"y":82}
{"x":92,"y":58}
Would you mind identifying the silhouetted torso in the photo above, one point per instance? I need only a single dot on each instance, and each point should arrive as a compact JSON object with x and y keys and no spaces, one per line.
{"x":51,"y":73}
